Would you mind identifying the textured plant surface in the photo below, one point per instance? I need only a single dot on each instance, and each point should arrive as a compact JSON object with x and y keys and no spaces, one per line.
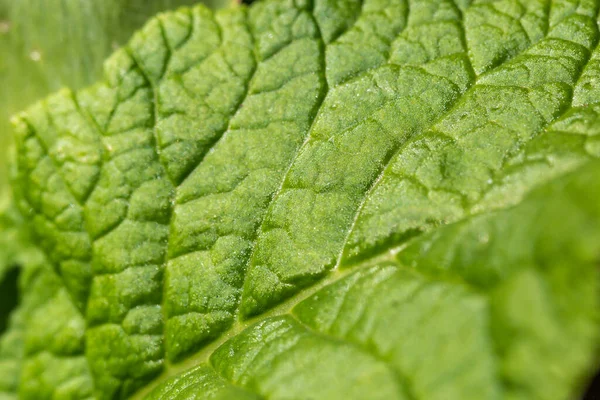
{"x":387,"y":199}
{"x":49,"y":44}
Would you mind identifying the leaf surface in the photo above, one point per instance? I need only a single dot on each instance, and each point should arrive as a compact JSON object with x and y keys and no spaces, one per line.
{"x":381,"y":191}
{"x":477,"y":309}
{"x":35,"y":63}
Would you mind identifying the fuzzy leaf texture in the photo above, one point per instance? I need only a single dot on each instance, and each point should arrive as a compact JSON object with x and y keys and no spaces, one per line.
{"x":336,"y":199}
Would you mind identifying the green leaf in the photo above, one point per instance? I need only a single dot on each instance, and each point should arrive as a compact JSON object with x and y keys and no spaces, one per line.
{"x":327,"y":199}
{"x":483,"y":308}
{"x":49,"y":44}
{"x":33,"y":64}
{"x":42,"y":353}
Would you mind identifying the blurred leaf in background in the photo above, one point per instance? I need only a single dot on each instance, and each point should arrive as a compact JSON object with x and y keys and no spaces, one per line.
{"x":49,"y":44}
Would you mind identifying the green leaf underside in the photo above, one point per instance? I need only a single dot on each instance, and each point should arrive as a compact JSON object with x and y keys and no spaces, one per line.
{"x":232,"y":163}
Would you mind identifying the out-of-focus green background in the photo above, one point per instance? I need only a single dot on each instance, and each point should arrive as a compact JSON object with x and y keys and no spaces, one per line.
{"x":49,"y":44}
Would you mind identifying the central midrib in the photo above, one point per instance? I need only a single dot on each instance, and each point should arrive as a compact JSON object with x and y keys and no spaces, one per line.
{"x":281,"y":309}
